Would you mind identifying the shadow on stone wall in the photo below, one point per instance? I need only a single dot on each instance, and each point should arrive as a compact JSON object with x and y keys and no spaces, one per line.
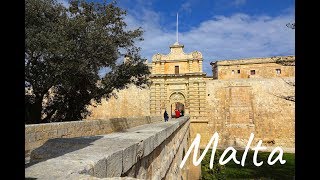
{"x":119,"y":124}
{"x":122,"y":124}
{"x":37,"y":134}
{"x":59,"y":146}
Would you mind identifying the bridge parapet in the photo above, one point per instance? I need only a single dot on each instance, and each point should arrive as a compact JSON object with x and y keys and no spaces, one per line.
{"x":37,"y":134}
{"x":150,"y":151}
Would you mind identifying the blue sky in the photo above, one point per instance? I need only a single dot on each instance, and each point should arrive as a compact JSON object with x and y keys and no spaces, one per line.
{"x":219,"y":29}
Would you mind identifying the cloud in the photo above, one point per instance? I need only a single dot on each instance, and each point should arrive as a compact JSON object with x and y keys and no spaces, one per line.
{"x":238,"y":2}
{"x":219,"y":38}
{"x":64,"y":3}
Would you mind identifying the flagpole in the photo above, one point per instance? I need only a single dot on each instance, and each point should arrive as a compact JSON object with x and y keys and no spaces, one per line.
{"x":177,"y":29}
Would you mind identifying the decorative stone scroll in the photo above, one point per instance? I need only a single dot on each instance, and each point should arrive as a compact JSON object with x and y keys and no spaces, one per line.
{"x":196,"y":55}
{"x":158,"y":56}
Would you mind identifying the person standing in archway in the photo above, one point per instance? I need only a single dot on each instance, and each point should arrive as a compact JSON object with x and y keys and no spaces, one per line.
{"x":177,"y":113}
{"x":166,"y":116}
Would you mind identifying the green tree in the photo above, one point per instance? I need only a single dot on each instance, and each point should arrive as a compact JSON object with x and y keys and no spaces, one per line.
{"x":291,"y":25}
{"x":66,"y":48}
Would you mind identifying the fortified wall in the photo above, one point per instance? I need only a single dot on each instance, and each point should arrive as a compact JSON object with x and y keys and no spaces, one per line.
{"x":278,"y":66}
{"x":130,"y":102}
{"x":126,"y":136}
{"x":243,"y":96}
{"x":251,"y":96}
{"x":239,"y":107}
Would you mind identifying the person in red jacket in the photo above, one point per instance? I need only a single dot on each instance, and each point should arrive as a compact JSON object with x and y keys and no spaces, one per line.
{"x":177,"y":113}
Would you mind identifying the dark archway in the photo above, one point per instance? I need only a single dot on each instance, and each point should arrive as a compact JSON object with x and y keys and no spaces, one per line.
{"x":179,"y":106}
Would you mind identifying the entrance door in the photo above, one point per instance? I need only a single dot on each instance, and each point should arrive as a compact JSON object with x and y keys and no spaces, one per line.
{"x":179,"y":106}
{"x":177,"y":101}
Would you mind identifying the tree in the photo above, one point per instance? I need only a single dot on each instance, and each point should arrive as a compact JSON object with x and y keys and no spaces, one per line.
{"x":291,"y":25}
{"x":66,"y":48}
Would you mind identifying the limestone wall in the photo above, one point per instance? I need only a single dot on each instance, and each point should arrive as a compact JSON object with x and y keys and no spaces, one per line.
{"x":187,"y":62}
{"x":37,"y":134}
{"x":234,"y":108}
{"x":151,"y":151}
{"x":169,"y":68}
{"x":163,"y":162}
{"x":262,"y":67}
{"x":238,"y":107}
{"x":261,"y":70}
{"x":130,"y":102}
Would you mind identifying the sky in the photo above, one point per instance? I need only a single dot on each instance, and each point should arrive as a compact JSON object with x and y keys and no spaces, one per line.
{"x":219,"y":29}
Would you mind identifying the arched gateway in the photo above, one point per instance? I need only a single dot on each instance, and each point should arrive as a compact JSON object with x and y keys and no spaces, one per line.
{"x":177,"y":101}
{"x":178,"y":82}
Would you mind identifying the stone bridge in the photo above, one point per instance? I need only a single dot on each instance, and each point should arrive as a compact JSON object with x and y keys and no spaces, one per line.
{"x":121,"y":148}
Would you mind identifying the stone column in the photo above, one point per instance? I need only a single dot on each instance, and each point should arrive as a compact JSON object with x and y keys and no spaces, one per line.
{"x":194,"y":99}
{"x":202,"y":98}
{"x":187,"y":101}
{"x":162,"y":67}
{"x":200,"y":65}
{"x":190,"y":66}
{"x":163,"y":96}
{"x":158,"y":99}
{"x":152,"y":100}
{"x":153,"y":68}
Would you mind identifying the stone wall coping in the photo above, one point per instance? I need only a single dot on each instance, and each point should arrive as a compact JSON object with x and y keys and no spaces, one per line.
{"x":81,"y":121}
{"x":230,"y":62}
{"x":179,"y":75}
{"x":102,"y":156}
{"x":38,"y":134}
{"x":261,"y":79}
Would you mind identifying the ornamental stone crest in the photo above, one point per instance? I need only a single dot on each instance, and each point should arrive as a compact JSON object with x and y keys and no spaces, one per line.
{"x":196,"y":55}
{"x":177,"y":97}
{"x":158,"y":57}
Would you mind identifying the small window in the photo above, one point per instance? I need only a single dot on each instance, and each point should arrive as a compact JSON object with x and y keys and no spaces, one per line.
{"x":278,"y":71}
{"x":238,"y":71}
{"x":176,"y":69}
{"x":252,"y":72}
{"x":232,"y":72}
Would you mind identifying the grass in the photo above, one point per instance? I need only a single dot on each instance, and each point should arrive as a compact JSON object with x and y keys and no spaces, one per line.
{"x":249,"y":171}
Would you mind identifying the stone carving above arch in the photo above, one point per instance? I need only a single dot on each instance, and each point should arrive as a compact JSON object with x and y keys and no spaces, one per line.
{"x":177,"y":97}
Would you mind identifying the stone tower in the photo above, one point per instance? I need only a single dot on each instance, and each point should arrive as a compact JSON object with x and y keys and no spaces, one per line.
{"x":178,"y":82}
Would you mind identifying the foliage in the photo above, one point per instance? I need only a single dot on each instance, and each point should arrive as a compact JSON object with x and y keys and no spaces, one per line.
{"x":232,"y":170}
{"x":217,"y":172}
{"x":291,"y":25}
{"x":66,"y":48}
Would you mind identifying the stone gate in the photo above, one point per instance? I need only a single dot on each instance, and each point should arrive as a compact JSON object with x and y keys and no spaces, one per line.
{"x":178,"y":77}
